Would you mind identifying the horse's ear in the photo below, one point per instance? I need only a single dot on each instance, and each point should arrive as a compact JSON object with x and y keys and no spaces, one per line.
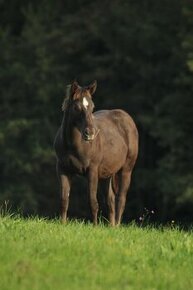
{"x":92,"y":87}
{"x":74,"y":87}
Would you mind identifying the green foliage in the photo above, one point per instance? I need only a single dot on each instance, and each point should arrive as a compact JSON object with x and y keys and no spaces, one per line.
{"x":41,"y":254}
{"x":141,"y":55}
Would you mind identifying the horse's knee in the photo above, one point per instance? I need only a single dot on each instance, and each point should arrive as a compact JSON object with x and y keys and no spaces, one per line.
{"x":94,"y":204}
{"x":64,"y":203}
{"x":122,"y":200}
{"x":64,"y":200}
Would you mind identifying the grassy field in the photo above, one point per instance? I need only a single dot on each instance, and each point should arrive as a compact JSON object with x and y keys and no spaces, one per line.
{"x":41,"y":254}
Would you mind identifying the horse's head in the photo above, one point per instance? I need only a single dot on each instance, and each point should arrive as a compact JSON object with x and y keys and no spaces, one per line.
{"x":80,"y":105}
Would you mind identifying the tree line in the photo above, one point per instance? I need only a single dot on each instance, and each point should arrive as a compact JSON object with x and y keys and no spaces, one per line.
{"x":141,"y":54}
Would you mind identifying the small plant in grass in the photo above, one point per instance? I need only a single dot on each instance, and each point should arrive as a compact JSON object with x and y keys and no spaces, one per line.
{"x":5,"y":209}
{"x":145,"y":218}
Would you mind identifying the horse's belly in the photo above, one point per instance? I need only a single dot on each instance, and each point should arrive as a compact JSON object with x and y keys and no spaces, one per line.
{"x":113,"y":160}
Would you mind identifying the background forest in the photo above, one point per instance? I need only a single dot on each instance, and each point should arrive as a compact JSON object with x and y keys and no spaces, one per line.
{"x":141,"y":54}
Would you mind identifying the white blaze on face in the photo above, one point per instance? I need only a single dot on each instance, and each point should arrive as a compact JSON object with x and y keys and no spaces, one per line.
{"x":85,"y":103}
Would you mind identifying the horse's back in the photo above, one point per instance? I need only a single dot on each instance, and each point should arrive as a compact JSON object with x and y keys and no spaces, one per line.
{"x":118,"y":117}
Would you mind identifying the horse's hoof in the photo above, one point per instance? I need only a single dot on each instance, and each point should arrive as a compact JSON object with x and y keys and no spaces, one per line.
{"x":63,"y":221}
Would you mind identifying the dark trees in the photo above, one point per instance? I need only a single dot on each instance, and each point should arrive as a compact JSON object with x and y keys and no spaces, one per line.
{"x":141,"y":54}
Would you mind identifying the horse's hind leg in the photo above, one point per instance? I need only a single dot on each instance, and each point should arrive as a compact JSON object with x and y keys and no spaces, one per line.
{"x":111,"y":202}
{"x":125,"y":179}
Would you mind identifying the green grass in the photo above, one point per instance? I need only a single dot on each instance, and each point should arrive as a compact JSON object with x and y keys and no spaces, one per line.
{"x":41,"y":254}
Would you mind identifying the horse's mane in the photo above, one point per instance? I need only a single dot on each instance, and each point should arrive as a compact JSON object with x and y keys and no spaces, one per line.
{"x":66,"y":98}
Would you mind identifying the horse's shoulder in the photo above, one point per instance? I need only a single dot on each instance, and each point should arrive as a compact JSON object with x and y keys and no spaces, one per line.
{"x":59,"y":144}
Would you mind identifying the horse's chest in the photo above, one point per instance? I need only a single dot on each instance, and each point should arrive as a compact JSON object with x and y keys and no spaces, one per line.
{"x":74,"y":164}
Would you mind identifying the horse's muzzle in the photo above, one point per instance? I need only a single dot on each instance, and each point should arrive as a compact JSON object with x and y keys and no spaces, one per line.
{"x":89,"y":134}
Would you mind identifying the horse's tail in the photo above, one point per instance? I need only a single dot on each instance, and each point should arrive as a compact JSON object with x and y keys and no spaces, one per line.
{"x":115,"y":183}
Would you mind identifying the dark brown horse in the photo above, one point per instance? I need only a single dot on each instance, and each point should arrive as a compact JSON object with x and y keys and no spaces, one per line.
{"x":100,"y":145}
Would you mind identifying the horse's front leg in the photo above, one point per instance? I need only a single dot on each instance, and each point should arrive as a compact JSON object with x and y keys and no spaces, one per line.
{"x":65,"y":192}
{"x":92,"y":187}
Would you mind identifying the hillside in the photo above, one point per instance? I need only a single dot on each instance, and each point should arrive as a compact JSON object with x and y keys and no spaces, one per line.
{"x":42,"y":254}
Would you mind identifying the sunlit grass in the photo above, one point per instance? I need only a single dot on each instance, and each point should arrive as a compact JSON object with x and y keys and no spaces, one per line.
{"x":42,"y":254}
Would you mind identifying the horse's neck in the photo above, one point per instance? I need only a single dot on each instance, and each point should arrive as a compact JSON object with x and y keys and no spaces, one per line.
{"x":70,"y":134}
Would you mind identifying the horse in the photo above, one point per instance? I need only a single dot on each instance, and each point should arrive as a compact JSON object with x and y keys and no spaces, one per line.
{"x":100,"y":146}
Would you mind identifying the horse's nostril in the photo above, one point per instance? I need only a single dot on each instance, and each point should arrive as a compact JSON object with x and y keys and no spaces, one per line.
{"x":87,"y":131}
